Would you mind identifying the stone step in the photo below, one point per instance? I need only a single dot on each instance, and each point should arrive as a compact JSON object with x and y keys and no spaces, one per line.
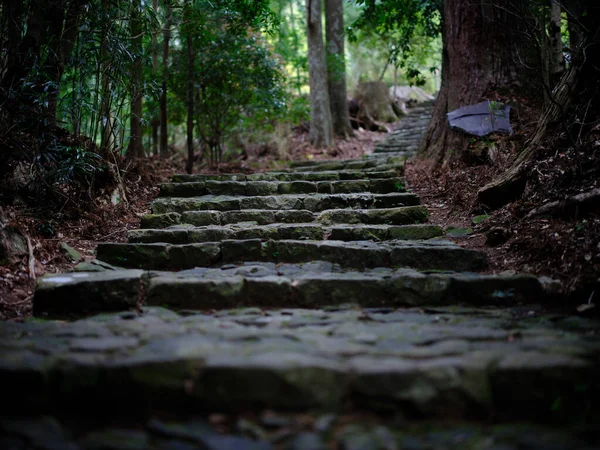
{"x":390,"y":216}
{"x":266,"y":188}
{"x":421,"y":255}
{"x":310,"y":285}
{"x":310,"y":202}
{"x":437,"y":363}
{"x":349,"y":164}
{"x":296,"y":231}
{"x":340,"y":175}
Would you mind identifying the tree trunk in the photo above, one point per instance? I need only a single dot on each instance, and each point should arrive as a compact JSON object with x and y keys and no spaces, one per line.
{"x":321,"y":130}
{"x":165,"y":76}
{"x":65,"y":42}
{"x":155,"y":114}
{"x":574,"y":10}
{"x":135,"y":148}
{"x":336,"y":68}
{"x":556,"y":58}
{"x":189,"y":166}
{"x":575,"y":101}
{"x":485,"y":47}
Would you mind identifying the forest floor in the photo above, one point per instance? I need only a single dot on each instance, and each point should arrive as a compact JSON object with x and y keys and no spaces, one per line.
{"x":567,"y":249}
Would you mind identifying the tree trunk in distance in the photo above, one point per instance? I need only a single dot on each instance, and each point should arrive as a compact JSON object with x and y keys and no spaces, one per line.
{"x":321,"y":129}
{"x":135,"y":149}
{"x":574,"y":10}
{"x":374,"y":105}
{"x":577,"y":92}
{"x":155,"y":116}
{"x":336,"y":68}
{"x":556,"y":58}
{"x":483,"y":47}
{"x":164,"y":139}
{"x":189,"y":166}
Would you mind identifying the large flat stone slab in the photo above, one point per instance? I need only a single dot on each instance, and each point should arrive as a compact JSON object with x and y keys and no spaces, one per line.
{"x":431,"y":363}
{"x":422,"y":255}
{"x":314,"y":285}
{"x":265,"y":188}
{"x":312,"y":231}
{"x":364,"y":164}
{"x":339,"y":175}
{"x":86,"y":292}
{"x":309,"y":202}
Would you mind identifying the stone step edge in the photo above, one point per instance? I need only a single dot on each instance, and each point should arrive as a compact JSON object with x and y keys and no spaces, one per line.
{"x":295,"y":231}
{"x":266,"y":188}
{"x":309,"y":202}
{"x":421,"y":255}
{"x":339,"y":175}
{"x":403,"y":215}
{"x":354,"y":164}
{"x":94,"y":292}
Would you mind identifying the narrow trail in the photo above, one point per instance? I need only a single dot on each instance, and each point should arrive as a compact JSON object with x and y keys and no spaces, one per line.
{"x":307,"y":309}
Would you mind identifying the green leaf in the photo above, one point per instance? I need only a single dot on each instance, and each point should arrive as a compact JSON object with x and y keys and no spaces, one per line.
{"x":480,"y":218}
{"x":458,"y":232}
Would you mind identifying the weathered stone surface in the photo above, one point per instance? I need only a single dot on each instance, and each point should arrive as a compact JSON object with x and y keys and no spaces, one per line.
{"x":310,"y":202}
{"x":202,"y":218}
{"x":263,"y":188}
{"x":193,"y":255}
{"x":80,"y":293}
{"x":161,"y":220}
{"x":142,"y":256}
{"x":295,"y":231}
{"x":437,"y":255}
{"x":422,"y":255}
{"x":431,"y":362}
{"x":391,"y":216}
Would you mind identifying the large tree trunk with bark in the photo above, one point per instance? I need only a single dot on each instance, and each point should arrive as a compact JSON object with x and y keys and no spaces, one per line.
{"x":336,"y":68}
{"x":321,"y":129}
{"x":573,"y":109}
{"x":486,"y":46}
{"x":135,"y":149}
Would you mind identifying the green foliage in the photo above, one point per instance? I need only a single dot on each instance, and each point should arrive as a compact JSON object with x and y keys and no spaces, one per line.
{"x":408,"y":30}
{"x":237,"y":80}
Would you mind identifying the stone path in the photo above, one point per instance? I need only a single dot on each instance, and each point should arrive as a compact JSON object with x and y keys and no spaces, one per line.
{"x":406,"y":138}
{"x":304,"y":309}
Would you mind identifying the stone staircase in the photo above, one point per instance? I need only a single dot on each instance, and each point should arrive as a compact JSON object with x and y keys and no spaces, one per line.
{"x":407,"y":136}
{"x":321,"y":292}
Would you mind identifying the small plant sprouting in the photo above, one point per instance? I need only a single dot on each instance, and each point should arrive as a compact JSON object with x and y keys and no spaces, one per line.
{"x":399,"y":186}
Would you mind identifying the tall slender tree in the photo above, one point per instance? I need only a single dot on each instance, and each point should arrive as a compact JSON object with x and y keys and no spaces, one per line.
{"x":336,"y":68}
{"x":321,"y":129}
{"x":164,"y":78}
{"x":135,"y":148}
{"x":155,"y":123}
{"x":189,"y":166}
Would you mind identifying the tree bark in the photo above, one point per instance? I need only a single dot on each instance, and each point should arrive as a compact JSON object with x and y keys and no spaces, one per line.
{"x":321,"y":129}
{"x":336,"y":68}
{"x":574,"y":10}
{"x":556,"y":58}
{"x":486,"y":46}
{"x":575,"y":101}
{"x":135,"y":148}
{"x":189,"y":166}
{"x":165,"y":76}
{"x":155,"y":115}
